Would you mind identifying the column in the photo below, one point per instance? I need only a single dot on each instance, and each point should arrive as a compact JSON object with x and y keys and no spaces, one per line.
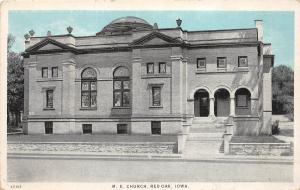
{"x":232,"y":106}
{"x":212,"y":107}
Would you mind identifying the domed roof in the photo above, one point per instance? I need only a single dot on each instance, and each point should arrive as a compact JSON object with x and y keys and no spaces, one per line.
{"x":129,"y":19}
{"x":124,"y":25}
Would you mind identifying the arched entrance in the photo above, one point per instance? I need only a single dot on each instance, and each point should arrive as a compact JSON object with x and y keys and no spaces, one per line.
{"x":222,"y":103}
{"x":201,"y":103}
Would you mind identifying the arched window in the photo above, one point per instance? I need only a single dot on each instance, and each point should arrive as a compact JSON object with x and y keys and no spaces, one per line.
{"x":121,"y":87}
{"x":242,"y":102}
{"x":88,"y":88}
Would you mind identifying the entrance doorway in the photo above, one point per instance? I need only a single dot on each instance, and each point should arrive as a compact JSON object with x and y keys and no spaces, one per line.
{"x":222,"y":103}
{"x":201,"y":103}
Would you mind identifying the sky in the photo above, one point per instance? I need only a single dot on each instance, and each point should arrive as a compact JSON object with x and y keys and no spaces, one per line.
{"x":278,"y":26}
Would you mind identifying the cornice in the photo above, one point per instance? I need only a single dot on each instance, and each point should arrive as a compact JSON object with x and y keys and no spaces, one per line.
{"x":131,"y":48}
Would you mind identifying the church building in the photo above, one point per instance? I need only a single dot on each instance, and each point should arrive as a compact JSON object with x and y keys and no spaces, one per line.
{"x":135,"y":78}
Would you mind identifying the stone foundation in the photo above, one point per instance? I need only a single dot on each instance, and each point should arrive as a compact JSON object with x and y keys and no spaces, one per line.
{"x":270,"y":149}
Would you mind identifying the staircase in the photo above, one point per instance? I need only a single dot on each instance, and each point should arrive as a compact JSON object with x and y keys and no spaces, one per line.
{"x":205,"y":138}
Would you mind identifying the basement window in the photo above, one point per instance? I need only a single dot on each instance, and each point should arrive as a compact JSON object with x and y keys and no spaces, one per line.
{"x":48,"y":127}
{"x":122,"y":129}
{"x":87,"y":128}
{"x":155,"y":127}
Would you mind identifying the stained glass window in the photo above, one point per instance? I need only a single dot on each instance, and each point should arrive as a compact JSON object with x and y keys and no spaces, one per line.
{"x":89,"y":88}
{"x":49,"y":98}
{"x":156,"y":96}
{"x":121,"y":87}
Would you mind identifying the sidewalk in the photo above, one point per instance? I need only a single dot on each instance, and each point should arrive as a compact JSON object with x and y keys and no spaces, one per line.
{"x":152,"y":157}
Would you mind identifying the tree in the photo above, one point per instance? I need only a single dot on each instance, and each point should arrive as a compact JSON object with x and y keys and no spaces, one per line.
{"x":15,"y":83}
{"x":283,"y":91}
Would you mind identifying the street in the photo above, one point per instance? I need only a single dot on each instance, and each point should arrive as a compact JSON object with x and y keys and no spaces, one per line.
{"x":137,"y":170}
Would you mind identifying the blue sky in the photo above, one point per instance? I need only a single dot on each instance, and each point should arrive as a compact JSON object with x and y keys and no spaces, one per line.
{"x":278,"y":26}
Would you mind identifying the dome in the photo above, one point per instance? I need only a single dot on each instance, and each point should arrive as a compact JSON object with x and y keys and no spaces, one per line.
{"x":125,"y":25}
{"x":129,"y":19}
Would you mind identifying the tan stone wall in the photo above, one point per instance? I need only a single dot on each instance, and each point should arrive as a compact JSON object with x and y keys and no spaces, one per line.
{"x":179,"y":84}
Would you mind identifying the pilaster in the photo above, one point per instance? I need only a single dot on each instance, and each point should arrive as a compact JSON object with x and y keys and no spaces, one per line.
{"x":176,"y":97}
{"x":136,"y":82}
{"x":68,"y":87}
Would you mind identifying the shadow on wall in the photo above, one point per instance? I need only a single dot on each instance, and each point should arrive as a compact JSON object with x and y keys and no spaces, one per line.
{"x":252,"y":82}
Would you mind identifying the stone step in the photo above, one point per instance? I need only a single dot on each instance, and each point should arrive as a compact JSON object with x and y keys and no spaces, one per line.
{"x":205,"y":137}
{"x":211,"y":125}
{"x":197,"y":129}
{"x":202,"y":122}
{"x":202,"y":148}
{"x":206,"y":134}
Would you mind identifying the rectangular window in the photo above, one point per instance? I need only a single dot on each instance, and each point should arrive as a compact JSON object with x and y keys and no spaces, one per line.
{"x":155,"y":127}
{"x":45,"y":72}
{"x":162,"y":67}
{"x":49,"y":98}
{"x":126,"y":98}
{"x":122,"y":129}
{"x":48,"y":127}
{"x":241,"y":101}
{"x":222,"y":62}
{"x":54,"y":71}
{"x":201,"y":63}
{"x":88,"y":94}
{"x":243,"y":61}
{"x":117,"y":98}
{"x":87,"y":128}
{"x":156,"y":96}
{"x":122,"y":92}
{"x":150,"y":68}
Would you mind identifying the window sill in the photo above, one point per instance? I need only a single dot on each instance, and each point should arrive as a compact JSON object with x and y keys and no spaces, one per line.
{"x":242,"y":69}
{"x":49,"y":79}
{"x":121,"y":108}
{"x":47,"y":109}
{"x":201,"y":70}
{"x":242,"y":107}
{"x":222,"y":69}
{"x":88,"y":108}
{"x":155,"y":106}
{"x":158,"y":75}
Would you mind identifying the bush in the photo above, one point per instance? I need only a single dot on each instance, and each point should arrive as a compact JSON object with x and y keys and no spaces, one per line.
{"x":275,"y":128}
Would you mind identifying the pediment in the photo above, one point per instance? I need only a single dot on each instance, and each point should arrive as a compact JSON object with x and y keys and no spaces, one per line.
{"x":49,"y":47}
{"x":156,"y":38}
{"x":49,"y":44}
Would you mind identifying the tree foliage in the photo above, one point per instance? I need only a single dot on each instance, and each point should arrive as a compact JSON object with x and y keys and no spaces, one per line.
{"x":283,"y":90}
{"x":15,"y":81}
